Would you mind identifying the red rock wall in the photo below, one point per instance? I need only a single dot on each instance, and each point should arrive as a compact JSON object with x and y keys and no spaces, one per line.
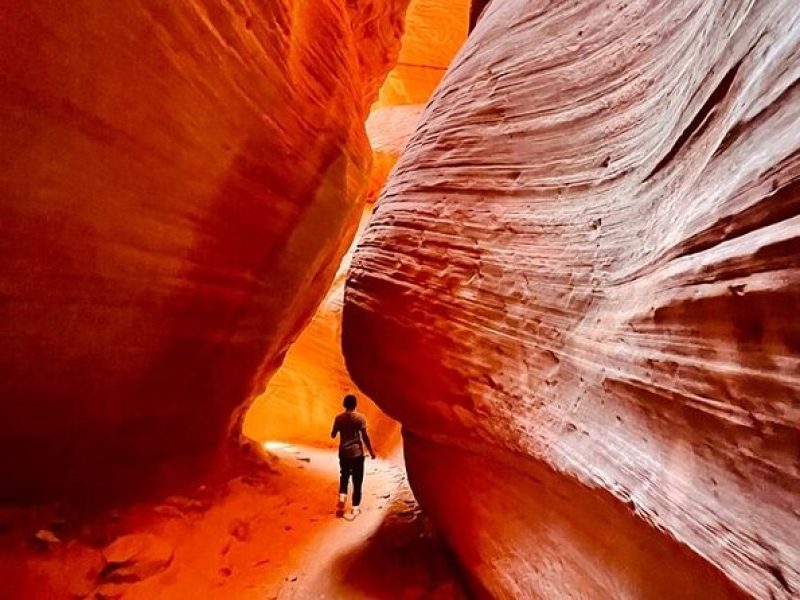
{"x":306,"y":393}
{"x":179,"y":182}
{"x":580,"y":292}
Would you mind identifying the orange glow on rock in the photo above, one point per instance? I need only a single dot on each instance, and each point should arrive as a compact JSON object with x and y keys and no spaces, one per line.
{"x":179,"y":184}
{"x":434,"y":32}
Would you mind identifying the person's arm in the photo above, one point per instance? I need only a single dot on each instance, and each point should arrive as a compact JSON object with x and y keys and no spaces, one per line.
{"x":335,"y":429}
{"x":367,"y":443}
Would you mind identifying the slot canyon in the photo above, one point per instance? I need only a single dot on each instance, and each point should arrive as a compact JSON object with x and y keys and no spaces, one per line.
{"x":553,"y":248}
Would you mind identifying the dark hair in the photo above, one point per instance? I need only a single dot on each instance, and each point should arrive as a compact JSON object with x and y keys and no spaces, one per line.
{"x":350,"y":402}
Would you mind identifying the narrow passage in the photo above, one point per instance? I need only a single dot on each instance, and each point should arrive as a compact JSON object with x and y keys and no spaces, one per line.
{"x":271,"y":537}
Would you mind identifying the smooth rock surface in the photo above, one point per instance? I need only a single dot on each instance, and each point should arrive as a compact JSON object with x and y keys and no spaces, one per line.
{"x":307,"y":391}
{"x":434,"y":32}
{"x":389,"y":128}
{"x":580,"y":292}
{"x":179,"y":181}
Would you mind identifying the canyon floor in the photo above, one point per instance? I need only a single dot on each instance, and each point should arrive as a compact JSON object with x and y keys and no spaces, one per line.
{"x":272,"y":536}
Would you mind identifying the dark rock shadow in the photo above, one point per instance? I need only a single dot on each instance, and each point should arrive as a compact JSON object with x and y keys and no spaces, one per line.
{"x":403,"y":560}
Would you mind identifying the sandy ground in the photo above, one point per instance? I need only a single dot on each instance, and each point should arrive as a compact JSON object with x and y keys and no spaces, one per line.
{"x":269,"y":537}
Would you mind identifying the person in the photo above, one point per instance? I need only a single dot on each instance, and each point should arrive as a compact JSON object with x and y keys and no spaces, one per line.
{"x":351,"y":427}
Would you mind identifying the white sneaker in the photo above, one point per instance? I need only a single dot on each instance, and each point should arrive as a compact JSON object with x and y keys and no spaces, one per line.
{"x":340,"y":505}
{"x":355,"y":512}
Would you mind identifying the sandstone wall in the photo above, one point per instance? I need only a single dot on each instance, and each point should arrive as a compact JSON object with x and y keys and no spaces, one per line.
{"x":580,"y":292}
{"x":306,"y":393}
{"x":434,"y":32}
{"x":313,"y":378}
{"x":179,"y":181}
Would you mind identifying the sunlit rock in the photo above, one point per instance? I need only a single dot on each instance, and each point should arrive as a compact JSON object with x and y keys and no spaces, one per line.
{"x":434,"y":31}
{"x":389,"y":129}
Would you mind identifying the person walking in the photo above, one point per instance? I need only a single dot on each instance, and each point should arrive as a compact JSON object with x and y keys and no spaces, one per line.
{"x":351,"y":427}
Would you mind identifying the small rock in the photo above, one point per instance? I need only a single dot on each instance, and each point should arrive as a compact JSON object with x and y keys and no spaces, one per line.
{"x":108,"y":595}
{"x":45,"y":539}
{"x":225,"y":571}
{"x":167,"y":510}
{"x":240,"y":530}
{"x":135,"y":557}
{"x":292,"y":578}
{"x":737,"y":290}
{"x":185,"y":503}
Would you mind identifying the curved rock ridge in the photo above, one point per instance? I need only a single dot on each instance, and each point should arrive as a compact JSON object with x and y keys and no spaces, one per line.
{"x":579,"y":293}
{"x":180,"y":181}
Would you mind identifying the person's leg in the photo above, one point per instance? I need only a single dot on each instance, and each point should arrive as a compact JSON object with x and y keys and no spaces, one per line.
{"x":344,"y":474}
{"x":358,"y":479}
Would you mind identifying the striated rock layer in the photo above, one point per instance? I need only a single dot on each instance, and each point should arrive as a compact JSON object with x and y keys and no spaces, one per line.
{"x":580,"y":292}
{"x":179,"y":181}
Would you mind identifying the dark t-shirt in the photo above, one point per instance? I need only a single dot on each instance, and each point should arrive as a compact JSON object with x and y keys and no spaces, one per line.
{"x":349,"y":426}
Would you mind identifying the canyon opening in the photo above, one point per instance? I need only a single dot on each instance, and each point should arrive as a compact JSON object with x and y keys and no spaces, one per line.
{"x":552,"y":248}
